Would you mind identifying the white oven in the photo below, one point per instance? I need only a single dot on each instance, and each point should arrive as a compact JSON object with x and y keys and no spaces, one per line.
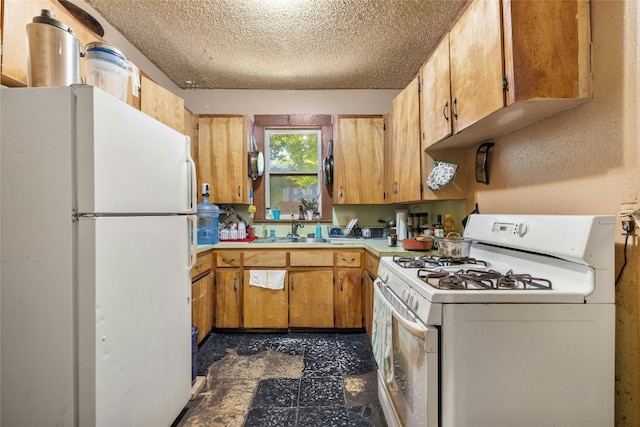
{"x":521,"y":333}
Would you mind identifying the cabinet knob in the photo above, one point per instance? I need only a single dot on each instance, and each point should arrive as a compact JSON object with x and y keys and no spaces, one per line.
{"x":444,"y":111}
{"x":454,"y":110}
{"x":341,"y":281}
{"x":228,"y":260}
{"x":348,"y":259}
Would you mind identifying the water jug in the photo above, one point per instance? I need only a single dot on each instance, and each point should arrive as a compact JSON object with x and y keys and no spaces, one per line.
{"x":54,"y":51}
{"x":208,"y":219}
{"x":108,"y":69}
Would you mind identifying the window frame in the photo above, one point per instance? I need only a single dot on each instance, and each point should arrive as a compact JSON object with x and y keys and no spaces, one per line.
{"x":267,"y":170}
{"x":322,"y":122}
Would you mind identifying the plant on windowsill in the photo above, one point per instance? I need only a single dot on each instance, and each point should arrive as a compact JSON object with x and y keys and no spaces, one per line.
{"x":309,"y":207}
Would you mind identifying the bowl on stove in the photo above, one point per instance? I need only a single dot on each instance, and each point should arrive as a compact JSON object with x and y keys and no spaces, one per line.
{"x":417,"y":245}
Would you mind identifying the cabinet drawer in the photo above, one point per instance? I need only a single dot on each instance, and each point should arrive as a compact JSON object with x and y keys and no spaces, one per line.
{"x":311,"y":258}
{"x":203,"y":265}
{"x":348,"y":258}
{"x":371,"y":264}
{"x":228,"y":258}
{"x":265,"y":259}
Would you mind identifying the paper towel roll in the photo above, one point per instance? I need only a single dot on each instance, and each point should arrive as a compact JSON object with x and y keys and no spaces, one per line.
{"x":401,"y":225}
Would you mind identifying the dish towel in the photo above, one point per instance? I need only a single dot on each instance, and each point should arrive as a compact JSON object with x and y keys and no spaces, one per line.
{"x":269,"y":279}
{"x":381,"y":334}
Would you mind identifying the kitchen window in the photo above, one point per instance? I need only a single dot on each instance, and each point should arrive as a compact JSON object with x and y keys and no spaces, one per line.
{"x":293,"y":146}
{"x":293,"y":168}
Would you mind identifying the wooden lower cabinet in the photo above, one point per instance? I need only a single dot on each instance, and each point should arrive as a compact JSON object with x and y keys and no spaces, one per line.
{"x":264,"y":308}
{"x":347,"y":298}
{"x":228,"y":298}
{"x":311,"y":299}
{"x":202,"y":293}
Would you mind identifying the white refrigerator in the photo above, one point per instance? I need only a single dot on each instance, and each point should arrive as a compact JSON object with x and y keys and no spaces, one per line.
{"x":95,"y":228}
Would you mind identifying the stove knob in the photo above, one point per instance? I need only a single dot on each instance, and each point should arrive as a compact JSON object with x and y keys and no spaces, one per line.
{"x":413,"y":302}
{"x":521,"y":229}
{"x":405,"y":294}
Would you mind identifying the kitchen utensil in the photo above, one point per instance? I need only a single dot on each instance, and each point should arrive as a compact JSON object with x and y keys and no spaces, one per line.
{"x":454,"y":246}
{"x":107,"y":68}
{"x":418,"y":245}
{"x":466,"y":218}
{"x":350,"y":226}
{"x":327,"y":165}
{"x":256,"y":159}
{"x":54,"y":51}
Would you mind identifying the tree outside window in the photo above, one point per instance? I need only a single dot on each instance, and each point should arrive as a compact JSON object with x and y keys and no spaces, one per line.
{"x":292,"y":167}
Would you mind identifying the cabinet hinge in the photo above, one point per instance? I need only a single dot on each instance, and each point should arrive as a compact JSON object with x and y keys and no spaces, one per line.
{"x":419,"y":86}
{"x":505,"y":83}
{"x":421,"y":188}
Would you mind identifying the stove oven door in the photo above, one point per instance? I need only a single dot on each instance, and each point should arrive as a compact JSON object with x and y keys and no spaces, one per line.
{"x":410,"y":398}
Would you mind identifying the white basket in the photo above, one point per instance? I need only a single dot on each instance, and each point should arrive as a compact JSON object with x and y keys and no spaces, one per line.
{"x":227,"y":234}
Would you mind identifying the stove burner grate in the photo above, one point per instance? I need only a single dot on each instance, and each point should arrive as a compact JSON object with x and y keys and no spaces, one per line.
{"x":433,"y":261}
{"x":482,"y":280}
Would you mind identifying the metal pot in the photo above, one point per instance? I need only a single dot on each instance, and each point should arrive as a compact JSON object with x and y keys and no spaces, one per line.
{"x":454,"y":246}
{"x":54,"y":52}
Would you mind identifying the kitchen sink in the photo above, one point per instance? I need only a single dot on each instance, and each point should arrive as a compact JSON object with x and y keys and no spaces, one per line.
{"x":291,"y":240}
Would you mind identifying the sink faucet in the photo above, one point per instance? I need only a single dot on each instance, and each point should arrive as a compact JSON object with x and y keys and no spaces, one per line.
{"x":294,"y":228}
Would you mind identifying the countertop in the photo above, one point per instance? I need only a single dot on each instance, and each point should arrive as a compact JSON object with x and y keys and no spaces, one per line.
{"x":378,"y":247}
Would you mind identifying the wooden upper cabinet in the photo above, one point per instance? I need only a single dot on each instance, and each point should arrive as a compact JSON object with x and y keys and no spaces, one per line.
{"x":475,"y":52}
{"x":404,"y":149}
{"x":359,"y":154}
{"x":511,"y":63}
{"x":435,"y":95}
{"x":222,"y":157}
{"x":161,"y":104}
{"x":16,"y":15}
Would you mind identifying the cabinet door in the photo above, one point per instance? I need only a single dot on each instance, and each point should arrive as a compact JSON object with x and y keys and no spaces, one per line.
{"x":435,"y":96}
{"x":222,"y":158}
{"x":311,"y":299}
{"x":228,"y":293}
{"x":19,"y":13}
{"x":264,"y":308}
{"x":476,"y":64}
{"x":405,"y":151}
{"x":161,"y":104}
{"x":202,"y":305}
{"x":359,"y":152}
{"x":347,"y":298}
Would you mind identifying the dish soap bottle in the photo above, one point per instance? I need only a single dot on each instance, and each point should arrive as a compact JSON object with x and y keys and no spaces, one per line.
{"x":449,"y":225}
{"x":318,"y":231}
{"x":208,"y":219}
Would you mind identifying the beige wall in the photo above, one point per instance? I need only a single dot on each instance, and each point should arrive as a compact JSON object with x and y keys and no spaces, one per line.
{"x":585,"y":161}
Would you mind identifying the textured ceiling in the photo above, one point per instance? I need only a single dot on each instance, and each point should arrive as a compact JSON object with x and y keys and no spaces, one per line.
{"x":284,"y":44}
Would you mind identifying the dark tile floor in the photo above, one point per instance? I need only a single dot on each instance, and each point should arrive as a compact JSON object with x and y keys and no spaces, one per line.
{"x":295,"y":379}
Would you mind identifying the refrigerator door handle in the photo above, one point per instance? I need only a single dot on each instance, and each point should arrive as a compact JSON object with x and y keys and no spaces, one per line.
{"x":193,"y":245}
{"x":193,"y":202}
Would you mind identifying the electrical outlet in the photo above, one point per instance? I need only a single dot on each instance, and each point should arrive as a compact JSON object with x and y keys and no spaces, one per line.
{"x":627,"y":226}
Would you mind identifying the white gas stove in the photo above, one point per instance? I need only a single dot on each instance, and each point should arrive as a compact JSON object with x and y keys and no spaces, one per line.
{"x":529,"y":312}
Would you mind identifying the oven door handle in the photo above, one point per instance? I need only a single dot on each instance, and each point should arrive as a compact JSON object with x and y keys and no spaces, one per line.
{"x":414,"y":328}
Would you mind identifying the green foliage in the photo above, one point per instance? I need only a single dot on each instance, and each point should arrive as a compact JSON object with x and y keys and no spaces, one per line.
{"x":293,"y":152}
